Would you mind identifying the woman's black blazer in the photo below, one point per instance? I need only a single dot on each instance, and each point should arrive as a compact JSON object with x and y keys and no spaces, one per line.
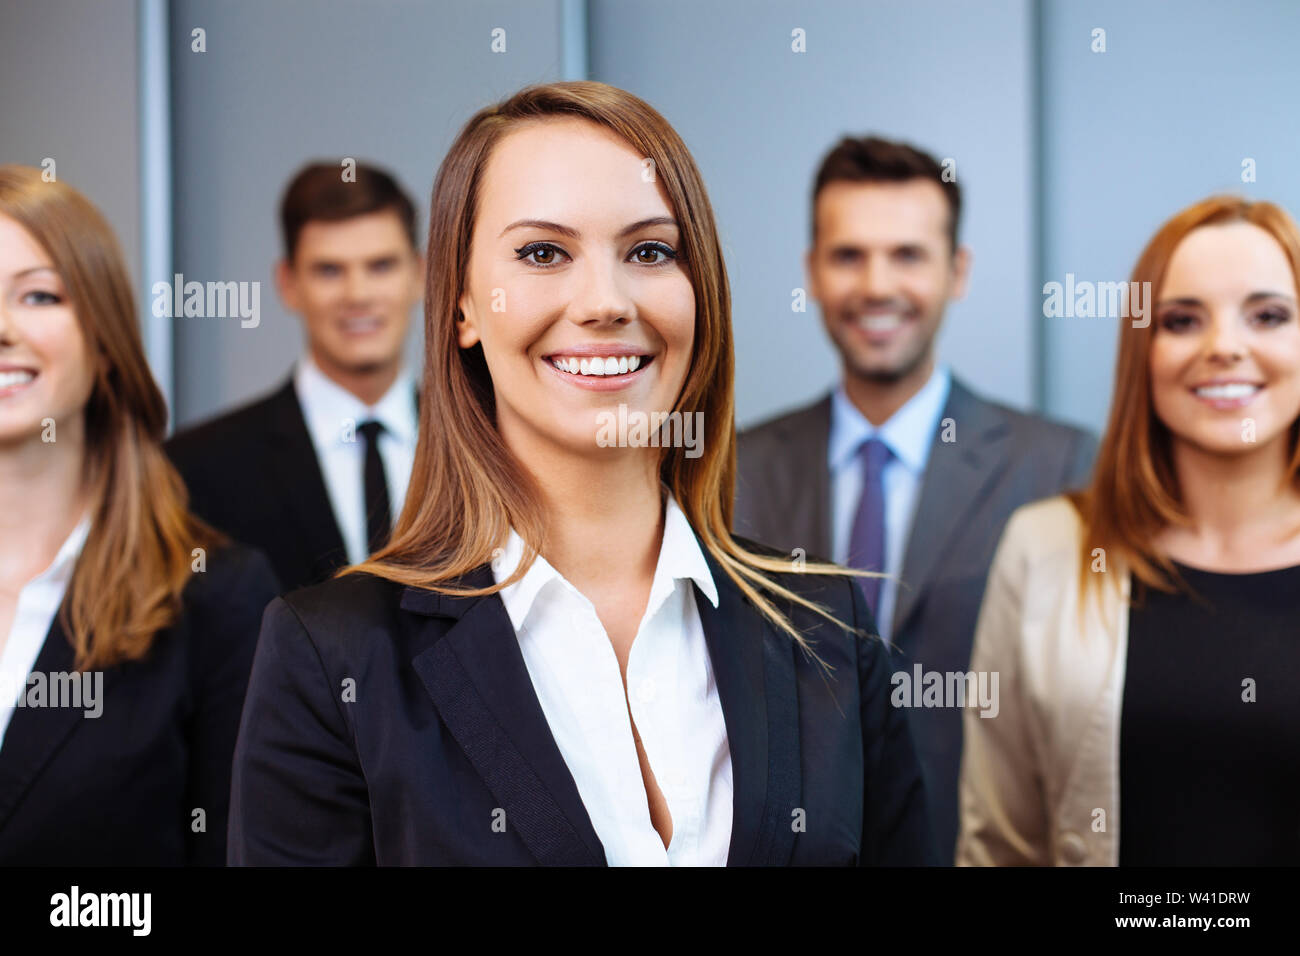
{"x":122,"y":788}
{"x":395,"y":725}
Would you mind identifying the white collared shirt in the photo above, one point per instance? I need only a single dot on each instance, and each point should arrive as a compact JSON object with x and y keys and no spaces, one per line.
{"x":670,"y":688}
{"x":909,"y":433}
{"x":38,"y":602}
{"x":333,"y":416}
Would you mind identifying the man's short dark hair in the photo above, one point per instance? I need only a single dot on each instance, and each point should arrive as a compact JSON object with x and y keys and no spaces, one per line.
{"x":870,"y":159}
{"x":319,"y":193}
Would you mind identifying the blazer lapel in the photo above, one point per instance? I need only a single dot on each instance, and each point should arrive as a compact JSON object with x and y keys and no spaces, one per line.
{"x":798,"y":477}
{"x":291,"y":459}
{"x":477,"y":679}
{"x":811,"y":477}
{"x":955,"y":478}
{"x":755,"y":670}
{"x":35,"y":734}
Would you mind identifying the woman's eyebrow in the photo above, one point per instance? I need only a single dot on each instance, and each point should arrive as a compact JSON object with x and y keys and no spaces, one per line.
{"x":27,"y":272}
{"x":1257,"y":296}
{"x":571,"y":233}
{"x":1260,"y":296}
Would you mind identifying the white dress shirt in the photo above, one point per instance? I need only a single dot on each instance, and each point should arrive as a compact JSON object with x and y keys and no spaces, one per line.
{"x":333,"y":416}
{"x":909,"y":433}
{"x":38,"y":602}
{"x":670,"y":688}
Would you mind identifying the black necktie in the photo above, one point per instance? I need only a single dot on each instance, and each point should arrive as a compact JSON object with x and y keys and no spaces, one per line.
{"x":378,"y":518}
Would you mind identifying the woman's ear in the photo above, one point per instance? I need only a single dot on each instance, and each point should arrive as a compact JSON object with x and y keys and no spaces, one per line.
{"x":466,"y":328}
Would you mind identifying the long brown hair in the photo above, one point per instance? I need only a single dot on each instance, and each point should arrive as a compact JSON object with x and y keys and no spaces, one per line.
{"x":1134,"y":493}
{"x":467,"y":490}
{"x":137,"y":557}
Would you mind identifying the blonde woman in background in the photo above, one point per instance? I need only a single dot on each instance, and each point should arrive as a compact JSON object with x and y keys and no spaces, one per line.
{"x":108,"y":584}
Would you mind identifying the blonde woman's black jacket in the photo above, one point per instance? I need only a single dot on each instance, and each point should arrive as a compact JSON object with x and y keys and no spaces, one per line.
{"x":124,"y":787}
{"x":395,"y":725}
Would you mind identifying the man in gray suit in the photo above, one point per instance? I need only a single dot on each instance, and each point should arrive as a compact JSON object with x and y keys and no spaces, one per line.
{"x":901,"y":468}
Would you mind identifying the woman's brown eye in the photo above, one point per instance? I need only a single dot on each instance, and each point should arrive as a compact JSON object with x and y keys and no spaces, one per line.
{"x":659,"y":254}
{"x":539,"y":254}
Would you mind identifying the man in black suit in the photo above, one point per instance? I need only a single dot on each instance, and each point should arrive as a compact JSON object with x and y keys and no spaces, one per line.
{"x":314,"y":473}
{"x":901,"y":469}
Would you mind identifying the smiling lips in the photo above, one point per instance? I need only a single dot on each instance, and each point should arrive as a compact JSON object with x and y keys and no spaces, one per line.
{"x":879,"y":327}
{"x":600,"y":368}
{"x":15,"y":379}
{"x":1227,"y":395}
{"x":596,"y":365}
{"x":880,"y":323}
{"x":362,"y":325}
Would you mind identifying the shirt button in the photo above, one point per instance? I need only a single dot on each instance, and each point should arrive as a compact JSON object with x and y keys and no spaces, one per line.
{"x":646,"y":691}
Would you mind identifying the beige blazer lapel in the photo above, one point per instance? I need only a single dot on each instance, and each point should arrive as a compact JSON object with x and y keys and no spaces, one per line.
{"x":1040,"y":780}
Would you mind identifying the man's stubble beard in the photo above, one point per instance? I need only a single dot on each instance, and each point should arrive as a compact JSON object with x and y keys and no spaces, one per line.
{"x":890,"y":376}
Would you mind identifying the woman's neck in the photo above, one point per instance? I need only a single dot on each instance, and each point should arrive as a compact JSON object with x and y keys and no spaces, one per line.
{"x":42,"y":498}
{"x":604,"y":517}
{"x":1242,"y":508}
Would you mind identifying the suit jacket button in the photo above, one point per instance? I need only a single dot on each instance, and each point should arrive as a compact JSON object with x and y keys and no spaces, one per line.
{"x":1073,"y":849}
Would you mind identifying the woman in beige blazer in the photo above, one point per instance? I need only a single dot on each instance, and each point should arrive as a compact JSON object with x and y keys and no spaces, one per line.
{"x":1145,"y":630}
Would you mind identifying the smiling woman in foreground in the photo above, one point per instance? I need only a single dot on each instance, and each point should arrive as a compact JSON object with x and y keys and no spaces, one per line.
{"x":563,"y":656}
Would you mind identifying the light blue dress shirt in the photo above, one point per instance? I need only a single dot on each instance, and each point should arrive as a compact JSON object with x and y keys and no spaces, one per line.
{"x":909,"y":434}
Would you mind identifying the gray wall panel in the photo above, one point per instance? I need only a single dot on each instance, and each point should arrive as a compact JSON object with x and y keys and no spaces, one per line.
{"x":951,"y":77}
{"x":1164,"y":117}
{"x":289,"y":81}
{"x":68,"y":72}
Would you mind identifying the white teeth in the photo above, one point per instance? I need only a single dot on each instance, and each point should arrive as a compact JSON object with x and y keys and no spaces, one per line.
{"x":881,"y":323}
{"x":1229,"y":392}
{"x":612,"y":365}
{"x":20,"y":377}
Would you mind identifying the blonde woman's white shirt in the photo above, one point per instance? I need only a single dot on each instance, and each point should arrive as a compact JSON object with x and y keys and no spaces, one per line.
{"x":38,"y":602}
{"x":1040,"y":781}
{"x":670,"y":688}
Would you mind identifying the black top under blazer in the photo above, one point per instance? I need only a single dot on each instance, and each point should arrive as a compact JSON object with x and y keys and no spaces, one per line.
{"x":121,"y":789}
{"x":395,"y":725}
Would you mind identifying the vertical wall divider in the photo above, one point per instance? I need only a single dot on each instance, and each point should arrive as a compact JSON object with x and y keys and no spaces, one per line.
{"x":1040,"y":349}
{"x":155,"y":186}
{"x":574,"y":59}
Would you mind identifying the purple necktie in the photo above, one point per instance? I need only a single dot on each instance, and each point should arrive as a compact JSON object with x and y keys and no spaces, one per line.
{"x":867,"y":540}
